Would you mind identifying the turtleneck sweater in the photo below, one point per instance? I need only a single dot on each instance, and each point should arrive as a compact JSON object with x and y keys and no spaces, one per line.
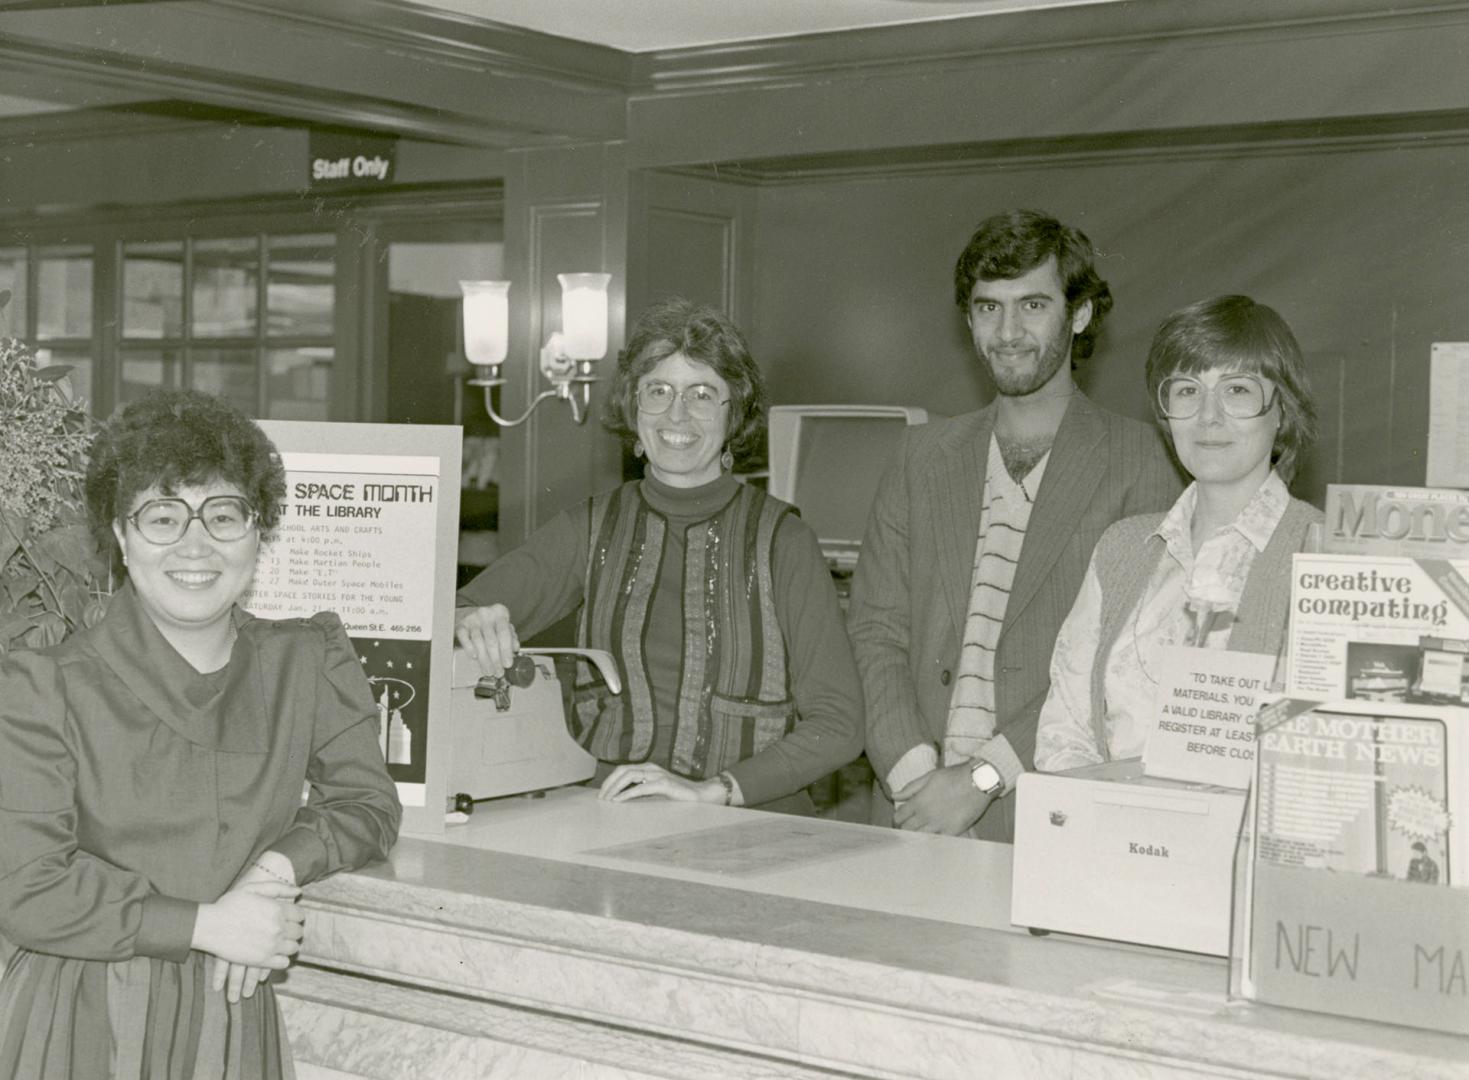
{"x":542,"y":582}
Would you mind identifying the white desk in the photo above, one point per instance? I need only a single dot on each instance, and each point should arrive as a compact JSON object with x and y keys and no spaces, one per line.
{"x":507,"y":949}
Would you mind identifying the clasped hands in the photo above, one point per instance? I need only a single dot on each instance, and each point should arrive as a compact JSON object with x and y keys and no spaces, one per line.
{"x":254,"y":928}
{"x":944,"y":801}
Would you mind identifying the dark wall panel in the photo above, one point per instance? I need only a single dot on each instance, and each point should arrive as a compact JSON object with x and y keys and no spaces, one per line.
{"x":1360,"y":248}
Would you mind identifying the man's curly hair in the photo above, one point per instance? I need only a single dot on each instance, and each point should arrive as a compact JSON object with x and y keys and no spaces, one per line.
{"x":171,"y":439}
{"x":1010,"y":244}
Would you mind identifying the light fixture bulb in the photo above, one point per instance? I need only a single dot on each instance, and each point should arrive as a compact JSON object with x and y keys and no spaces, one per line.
{"x":486,"y":321}
{"x":584,"y":315}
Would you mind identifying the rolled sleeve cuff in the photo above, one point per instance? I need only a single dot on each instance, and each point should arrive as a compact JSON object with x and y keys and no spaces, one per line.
{"x":999,"y":753}
{"x":306,"y":852}
{"x":918,"y":762}
{"x":167,"y":928}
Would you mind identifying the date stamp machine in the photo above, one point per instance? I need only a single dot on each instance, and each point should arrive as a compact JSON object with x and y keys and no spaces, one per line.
{"x":509,"y":732}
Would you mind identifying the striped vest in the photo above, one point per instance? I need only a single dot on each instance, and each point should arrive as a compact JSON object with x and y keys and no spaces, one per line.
{"x":734,"y":695}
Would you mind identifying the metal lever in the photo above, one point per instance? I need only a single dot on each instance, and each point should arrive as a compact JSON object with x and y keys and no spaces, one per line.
{"x":521,"y":673}
{"x":600,"y":657}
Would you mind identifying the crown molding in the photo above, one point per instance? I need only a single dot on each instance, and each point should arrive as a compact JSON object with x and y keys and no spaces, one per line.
{"x":278,"y":99}
{"x":503,"y":87}
{"x":444,"y":36}
{"x":1181,"y":144}
{"x":966,"y":39}
{"x":138,"y":119}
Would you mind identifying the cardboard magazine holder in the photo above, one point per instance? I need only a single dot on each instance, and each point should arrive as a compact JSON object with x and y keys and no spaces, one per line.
{"x":1350,"y":892}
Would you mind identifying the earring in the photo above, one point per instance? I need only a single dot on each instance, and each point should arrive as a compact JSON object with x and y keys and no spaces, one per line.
{"x":637,"y":448}
{"x":726,"y":460}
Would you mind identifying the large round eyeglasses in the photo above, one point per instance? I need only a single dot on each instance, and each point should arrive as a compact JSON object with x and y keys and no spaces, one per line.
{"x":1242,"y":396}
{"x":701,"y":400}
{"x":164,"y":521}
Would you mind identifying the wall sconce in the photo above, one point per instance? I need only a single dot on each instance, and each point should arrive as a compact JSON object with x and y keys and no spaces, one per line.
{"x":567,"y":356}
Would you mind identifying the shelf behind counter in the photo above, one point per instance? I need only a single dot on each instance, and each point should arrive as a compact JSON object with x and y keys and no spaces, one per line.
{"x":569,"y":937}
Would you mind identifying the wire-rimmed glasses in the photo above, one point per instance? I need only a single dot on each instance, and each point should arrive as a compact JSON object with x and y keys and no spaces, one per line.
{"x":1242,"y":396}
{"x":164,"y":521}
{"x":702,"y":401}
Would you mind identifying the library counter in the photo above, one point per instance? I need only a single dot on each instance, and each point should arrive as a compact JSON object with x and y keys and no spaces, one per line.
{"x":567,"y":937}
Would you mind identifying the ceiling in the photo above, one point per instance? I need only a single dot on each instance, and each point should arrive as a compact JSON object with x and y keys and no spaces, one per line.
{"x":645,"y":25}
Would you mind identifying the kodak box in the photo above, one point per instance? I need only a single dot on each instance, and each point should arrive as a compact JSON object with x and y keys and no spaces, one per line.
{"x":1107,"y":852}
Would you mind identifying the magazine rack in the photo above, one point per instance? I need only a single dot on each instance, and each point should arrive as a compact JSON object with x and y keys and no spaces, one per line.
{"x":1345,"y":889}
{"x":1352,"y":880}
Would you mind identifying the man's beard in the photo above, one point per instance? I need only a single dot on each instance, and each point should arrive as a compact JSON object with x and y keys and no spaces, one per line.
{"x":1013,"y":383}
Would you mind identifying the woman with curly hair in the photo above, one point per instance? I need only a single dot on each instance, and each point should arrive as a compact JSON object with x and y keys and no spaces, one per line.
{"x":155,"y":835}
{"x":713,"y":597}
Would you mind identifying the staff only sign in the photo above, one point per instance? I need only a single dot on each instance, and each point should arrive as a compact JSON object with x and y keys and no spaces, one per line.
{"x":340,"y":161}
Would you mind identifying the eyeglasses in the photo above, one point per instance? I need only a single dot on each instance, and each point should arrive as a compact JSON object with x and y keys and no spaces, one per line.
{"x":1241,"y":396}
{"x":701,"y":400}
{"x":164,"y":521}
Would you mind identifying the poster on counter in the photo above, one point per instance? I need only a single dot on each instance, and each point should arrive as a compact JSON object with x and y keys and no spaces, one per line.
{"x":369,"y":531}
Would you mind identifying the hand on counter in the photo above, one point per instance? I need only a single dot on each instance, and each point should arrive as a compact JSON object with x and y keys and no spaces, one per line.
{"x":488,"y":635}
{"x":945,"y":801}
{"x":629,"y":782}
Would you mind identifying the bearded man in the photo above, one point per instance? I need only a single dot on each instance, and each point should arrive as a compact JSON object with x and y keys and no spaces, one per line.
{"x":980,"y":535}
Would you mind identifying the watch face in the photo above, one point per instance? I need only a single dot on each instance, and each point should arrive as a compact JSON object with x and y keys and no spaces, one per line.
{"x":986,"y":777}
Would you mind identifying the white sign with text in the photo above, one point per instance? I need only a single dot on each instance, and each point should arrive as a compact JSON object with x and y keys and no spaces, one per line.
{"x":1204,"y":717}
{"x":369,"y":530}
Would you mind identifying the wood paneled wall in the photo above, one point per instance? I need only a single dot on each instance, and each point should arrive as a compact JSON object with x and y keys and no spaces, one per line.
{"x":1362,"y":248}
{"x":566,"y":211}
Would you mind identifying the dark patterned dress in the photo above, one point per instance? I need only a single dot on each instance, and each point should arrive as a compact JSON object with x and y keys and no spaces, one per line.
{"x":132,"y":789}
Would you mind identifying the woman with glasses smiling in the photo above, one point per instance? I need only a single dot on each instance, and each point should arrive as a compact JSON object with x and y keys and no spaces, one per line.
{"x":151,"y":775}
{"x":713,"y":597}
{"x":1230,"y":391}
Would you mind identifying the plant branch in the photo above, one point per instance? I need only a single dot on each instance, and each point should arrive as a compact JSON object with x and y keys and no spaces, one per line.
{"x":56,"y":604}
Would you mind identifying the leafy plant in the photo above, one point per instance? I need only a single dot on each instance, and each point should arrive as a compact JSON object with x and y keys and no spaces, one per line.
{"x":53,"y":579}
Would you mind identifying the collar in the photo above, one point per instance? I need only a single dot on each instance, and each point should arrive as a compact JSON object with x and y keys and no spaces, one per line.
{"x":223,"y":710}
{"x":689,"y":504}
{"x":1256,"y":521}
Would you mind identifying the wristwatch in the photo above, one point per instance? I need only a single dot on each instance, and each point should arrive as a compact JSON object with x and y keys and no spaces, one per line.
{"x":986,"y":777}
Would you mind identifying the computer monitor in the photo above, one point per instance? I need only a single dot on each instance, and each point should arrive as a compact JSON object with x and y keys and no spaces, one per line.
{"x":827,"y":459}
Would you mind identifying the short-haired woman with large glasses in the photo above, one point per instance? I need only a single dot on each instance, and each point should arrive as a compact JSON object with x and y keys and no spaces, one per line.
{"x":739,"y":685}
{"x":1230,"y":391}
{"x":151,"y":773}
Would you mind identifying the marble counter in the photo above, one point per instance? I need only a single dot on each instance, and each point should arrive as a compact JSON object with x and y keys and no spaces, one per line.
{"x":519,"y":945}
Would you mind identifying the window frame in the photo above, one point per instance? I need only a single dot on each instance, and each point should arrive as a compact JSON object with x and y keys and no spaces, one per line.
{"x":357,"y":223}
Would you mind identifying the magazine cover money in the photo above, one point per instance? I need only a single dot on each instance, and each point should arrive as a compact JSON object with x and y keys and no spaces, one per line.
{"x":1379,"y":628}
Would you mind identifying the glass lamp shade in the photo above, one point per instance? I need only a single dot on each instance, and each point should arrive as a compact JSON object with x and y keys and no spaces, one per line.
{"x":486,"y":321}
{"x":584,"y":315}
